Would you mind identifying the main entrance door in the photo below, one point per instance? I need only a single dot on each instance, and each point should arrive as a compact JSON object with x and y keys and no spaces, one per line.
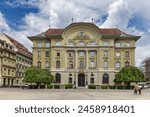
{"x":81,"y":80}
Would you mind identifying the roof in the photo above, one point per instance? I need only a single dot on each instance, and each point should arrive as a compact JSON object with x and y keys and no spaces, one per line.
{"x":21,"y":49}
{"x":54,"y":31}
{"x":110,"y":31}
{"x":103,"y":31}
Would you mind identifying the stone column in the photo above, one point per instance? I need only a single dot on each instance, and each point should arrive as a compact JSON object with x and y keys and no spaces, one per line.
{"x":76,"y":59}
{"x":75,"y":83}
{"x":87,"y":60}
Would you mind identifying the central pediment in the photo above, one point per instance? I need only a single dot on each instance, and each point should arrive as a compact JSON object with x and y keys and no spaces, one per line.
{"x":81,"y":31}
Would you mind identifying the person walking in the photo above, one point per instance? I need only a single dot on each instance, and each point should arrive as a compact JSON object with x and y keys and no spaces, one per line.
{"x":136,"y":88}
{"x":140,"y":89}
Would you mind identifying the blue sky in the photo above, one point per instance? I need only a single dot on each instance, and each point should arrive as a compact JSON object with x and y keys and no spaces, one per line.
{"x":15,"y":13}
{"x":21,"y":18}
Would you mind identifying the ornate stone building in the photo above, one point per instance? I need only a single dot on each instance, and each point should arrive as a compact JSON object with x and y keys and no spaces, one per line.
{"x":7,"y":61}
{"x":83,"y":53}
{"x":14,"y":59}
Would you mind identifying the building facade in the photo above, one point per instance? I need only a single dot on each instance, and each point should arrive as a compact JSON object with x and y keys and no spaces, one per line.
{"x":14,"y":59}
{"x":145,"y":68}
{"x":83,"y":54}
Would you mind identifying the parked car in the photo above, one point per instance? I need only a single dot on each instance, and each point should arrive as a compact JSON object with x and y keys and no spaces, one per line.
{"x":148,"y":83}
{"x":143,"y":85}
{"x":23,"y":86}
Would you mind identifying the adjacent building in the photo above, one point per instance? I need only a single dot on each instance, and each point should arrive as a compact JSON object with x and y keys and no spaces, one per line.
{"x":14,"y":59}
{"x":83,"y":54}
{"x":145,"y":68}
{"x":7,"y":61}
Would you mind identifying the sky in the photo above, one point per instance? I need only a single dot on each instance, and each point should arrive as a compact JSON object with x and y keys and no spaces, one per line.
{"x":22,"y":18}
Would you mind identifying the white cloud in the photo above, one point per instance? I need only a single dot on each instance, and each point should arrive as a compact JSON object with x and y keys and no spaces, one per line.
{"x":141,"y":54}
{"x":118,"y":15}
{"x":58,"y":13}
{"x":3,"y":23}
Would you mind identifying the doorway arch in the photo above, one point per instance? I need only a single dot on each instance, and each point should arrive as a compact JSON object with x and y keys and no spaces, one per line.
{"x":81,"y":80}
{"x":105,"y":78}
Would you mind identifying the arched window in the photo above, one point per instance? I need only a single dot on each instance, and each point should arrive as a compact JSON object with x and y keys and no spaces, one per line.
{"x":118,"y":65}
{"x":81,"y":64}
{"x":47,"y":64}
{"x":58,"y":78}
{"x":57,"y":64}
{"x":39,"y":64}
{"x":127,"y":63}
{"x":70,"y":64}
{"x":105,"y":78}
{"x":92,"y":64}
{"x":8,"y":71}
{"x":105,"y":64}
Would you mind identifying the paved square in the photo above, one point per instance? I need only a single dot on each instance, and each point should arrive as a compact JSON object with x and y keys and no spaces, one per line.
{"x":71,"y":94}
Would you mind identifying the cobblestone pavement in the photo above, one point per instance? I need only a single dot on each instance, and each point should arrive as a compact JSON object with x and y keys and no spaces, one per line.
{"x":71,"y":94}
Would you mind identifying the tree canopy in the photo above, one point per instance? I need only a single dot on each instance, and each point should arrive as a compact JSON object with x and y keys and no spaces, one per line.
{"x":38,"y":75}
{"x":129,"y":74}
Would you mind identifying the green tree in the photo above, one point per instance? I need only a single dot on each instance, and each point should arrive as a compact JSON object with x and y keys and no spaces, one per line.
{"x":38,"y":76}
{"x":44,"y":76}
{"x":129,"y":74}
{"x":31,"y":74}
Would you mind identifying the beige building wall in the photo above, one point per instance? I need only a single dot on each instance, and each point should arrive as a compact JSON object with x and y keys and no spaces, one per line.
{"x":7,"y":63}
{"x":14,"y":58}
{"x":71,"y":54}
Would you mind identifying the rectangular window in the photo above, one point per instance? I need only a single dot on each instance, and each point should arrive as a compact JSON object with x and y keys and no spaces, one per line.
{"x":58,"y":54}
{"x":106,"y":53}
{"x":117,"y":45}
{"x":127,"y":44}
{"x":71,"y":43}
{"x":47,"y":54}
{"x":92,"y":81}
{"x":58,"y":43}
{"x":117,"y":53}
{"x":47,"y":44}
{"x":93,"y":43}
{"x":39,"y":44}
{"x":105,"y":43}
{"x":39,"y":53}
{"x":47,"y":64}
{"x":81,"y":54}
{"x":127,"y":54}
{"x":81,"y":43}
{"x":70,"y":80}
{"x":92,"y":54}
